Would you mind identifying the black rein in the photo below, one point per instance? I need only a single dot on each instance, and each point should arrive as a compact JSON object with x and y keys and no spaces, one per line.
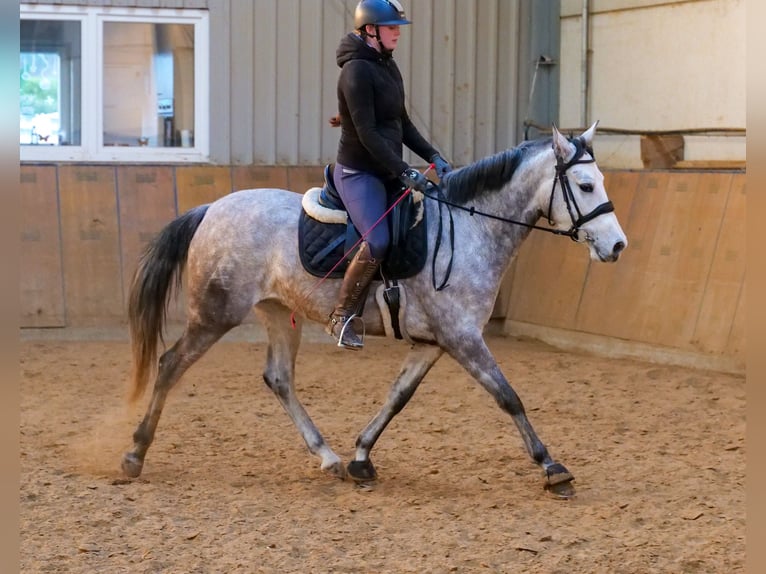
{"x":561,"y":177}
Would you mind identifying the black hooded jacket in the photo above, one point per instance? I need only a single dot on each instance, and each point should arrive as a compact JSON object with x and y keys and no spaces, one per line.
{"x":374,"y":121}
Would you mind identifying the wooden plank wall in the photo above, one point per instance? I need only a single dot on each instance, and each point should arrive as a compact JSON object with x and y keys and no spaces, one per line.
{"x":147,"y":201}
{"x":90,"y":244}
{"x":84,"y":227}
{"x":40,"y":266}
{"x":680,"y":284}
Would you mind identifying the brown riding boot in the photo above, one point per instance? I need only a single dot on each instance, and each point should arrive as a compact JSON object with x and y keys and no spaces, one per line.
{"x":353,"y":292}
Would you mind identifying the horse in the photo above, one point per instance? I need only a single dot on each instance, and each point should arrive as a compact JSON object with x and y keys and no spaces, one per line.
{"x":239,"y":253}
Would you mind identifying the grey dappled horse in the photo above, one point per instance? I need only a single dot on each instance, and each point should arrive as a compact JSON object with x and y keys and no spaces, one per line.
{"x":241,"y":254}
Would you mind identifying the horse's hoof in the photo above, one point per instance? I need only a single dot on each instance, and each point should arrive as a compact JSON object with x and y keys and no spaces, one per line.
{"x":562,"y":490}
{"x":362,"y":470}
{"x":556,"y":474}
{"x":335,"y":469}
{"x":558,"y":481}
{"x":132,"y":465}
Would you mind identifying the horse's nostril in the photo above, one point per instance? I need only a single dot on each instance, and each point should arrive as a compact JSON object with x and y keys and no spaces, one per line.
{"x":618,"y":247}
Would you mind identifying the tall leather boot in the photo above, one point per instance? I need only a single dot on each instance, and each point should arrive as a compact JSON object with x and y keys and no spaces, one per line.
{"x":353,"y":292}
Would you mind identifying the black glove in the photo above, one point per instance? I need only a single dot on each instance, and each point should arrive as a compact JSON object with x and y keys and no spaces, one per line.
{"x":413,"y":179}
{"x":441,"y":165}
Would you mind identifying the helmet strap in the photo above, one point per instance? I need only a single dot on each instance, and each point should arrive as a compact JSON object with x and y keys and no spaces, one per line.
{"x":364,"y":34}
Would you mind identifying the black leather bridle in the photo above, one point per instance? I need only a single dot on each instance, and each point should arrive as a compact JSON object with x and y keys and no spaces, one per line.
{"x":578,"y":219}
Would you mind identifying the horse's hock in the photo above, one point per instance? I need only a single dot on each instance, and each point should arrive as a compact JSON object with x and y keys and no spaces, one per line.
{"x":677,"y":294}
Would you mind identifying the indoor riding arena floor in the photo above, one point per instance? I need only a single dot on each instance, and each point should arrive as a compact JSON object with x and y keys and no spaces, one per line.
{"x":658,"y":453}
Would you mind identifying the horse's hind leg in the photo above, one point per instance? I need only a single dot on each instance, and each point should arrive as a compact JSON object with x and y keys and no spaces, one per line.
{"x":473,"y":354}
{"x":279,"y":376}
{"x":418,"y":362}
{"x":194,"y":342}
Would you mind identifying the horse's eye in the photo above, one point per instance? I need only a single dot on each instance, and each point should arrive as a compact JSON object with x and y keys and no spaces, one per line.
{"x":587,"y":187}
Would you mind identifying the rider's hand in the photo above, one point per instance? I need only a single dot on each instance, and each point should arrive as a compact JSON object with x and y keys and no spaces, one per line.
{"x":441,"y":165}
{"x":413,"y":179}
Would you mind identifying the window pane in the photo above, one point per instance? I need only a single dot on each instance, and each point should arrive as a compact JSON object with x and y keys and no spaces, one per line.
{"x":148,"y":84}
{"x":50,"y":84}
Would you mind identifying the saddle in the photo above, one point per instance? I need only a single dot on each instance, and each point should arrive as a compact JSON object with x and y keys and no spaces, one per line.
{"x":326,"y":235}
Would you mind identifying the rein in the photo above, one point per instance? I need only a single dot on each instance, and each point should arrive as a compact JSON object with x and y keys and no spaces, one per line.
{"x":566,"y":189}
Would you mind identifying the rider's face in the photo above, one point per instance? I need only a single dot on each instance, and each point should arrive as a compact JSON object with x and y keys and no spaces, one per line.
{"x":389,"y":36}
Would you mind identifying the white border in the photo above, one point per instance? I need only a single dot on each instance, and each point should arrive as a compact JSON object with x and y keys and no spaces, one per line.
{"x":92,"y":18}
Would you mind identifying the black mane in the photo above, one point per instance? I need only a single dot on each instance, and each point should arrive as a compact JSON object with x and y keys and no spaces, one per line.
{"x":488,"y":174}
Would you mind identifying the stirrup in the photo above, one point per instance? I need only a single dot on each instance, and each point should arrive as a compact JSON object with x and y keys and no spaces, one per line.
{"x":346,"y":322}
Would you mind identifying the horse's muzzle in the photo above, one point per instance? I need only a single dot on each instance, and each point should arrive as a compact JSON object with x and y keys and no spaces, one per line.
{"x":606,"y":256}
{"x":617,"y":249}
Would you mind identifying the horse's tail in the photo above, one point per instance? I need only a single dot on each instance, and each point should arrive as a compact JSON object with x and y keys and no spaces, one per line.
{"x":156,"y":280}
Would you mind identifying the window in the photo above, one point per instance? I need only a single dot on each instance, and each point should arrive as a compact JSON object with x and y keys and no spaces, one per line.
{"x":113,"y":84}
{"x":50,"y":83}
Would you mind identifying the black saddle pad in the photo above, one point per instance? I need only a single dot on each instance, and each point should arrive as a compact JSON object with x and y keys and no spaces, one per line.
{"x":322,"y":245}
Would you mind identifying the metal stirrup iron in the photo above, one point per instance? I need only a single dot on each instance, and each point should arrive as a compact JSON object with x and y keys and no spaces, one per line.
{"x":342,"y":333}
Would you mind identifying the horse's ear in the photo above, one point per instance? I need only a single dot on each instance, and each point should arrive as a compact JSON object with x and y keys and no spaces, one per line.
{"x":588,"y":134}
{"x":561,"y":145}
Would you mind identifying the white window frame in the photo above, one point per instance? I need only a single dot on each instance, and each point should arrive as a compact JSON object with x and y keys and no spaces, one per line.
{"x":91,"y":146}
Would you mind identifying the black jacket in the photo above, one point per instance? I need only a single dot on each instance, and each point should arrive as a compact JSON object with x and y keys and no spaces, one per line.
{"x":374,"y":121}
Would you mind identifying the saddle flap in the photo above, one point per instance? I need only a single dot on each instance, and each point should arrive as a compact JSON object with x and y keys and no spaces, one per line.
{"x":326,"y":235}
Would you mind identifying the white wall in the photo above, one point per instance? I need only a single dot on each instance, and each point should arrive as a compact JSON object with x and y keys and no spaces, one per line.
{"x":657,"y":66}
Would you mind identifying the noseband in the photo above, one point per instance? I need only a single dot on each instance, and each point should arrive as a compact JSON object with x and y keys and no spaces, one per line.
{"x":578,"y":219}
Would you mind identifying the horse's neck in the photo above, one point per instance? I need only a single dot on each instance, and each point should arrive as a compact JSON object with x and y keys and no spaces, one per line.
{"x":521,"y":199}
{"x":519,"y":204}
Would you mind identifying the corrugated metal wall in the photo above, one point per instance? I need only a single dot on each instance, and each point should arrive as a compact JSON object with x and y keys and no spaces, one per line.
{"x":273,"y":74}
{"x":459,"y":60}
{"x":198,"y":4}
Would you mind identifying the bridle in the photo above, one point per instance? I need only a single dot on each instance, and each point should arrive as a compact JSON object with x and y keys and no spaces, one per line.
{"x":578,"y":219}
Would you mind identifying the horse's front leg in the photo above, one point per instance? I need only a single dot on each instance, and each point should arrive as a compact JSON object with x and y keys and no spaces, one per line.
{"x":418,"y":362}
{"x":471,"y":351}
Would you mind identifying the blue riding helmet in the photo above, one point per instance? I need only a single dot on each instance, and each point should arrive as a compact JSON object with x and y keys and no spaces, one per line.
{"x":379,"y":13}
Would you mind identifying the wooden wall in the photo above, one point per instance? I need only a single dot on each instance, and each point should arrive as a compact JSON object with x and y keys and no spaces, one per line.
{"x":84,"y":226}
{"x":41,"y":264}
{"x":680,"y":285}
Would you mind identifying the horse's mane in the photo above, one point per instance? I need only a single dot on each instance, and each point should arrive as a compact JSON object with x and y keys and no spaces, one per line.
{"x":487,"y":174}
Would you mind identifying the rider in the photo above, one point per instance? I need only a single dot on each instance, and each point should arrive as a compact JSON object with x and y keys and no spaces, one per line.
{"x":374,"y":126}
